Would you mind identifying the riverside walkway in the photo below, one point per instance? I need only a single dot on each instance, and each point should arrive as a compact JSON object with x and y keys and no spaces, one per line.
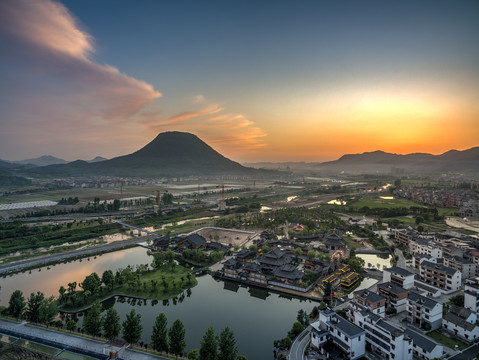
{"x":63,"y":341}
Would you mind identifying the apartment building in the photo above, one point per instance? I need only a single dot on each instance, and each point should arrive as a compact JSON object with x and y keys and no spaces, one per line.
{"x":332,"y":329}
{"x":471,"y":294}
{"x":374,"y":302}
{"x":395,"y":295}
{"x":383,"y":338}
{"x":423,"y":312}
{"x":432,"y":272}
{"x":399,"y":276}
{"x":463,"y":265}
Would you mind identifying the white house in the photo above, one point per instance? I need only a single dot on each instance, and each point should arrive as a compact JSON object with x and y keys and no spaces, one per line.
{"x":399,"y":276}
{"x":461,"y":322}
{"x":384,"y":339}
{"x":424,"y":347}
{"x":422,"y":310}
{"x":332,"y":328}
{"x":471,"y":294}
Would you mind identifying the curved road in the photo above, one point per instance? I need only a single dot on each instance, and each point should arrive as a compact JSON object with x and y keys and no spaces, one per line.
{"x":299,"y":345}
{"x":19,"y":265}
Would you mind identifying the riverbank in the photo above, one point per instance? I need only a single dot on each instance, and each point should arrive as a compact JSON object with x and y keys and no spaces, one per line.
{"x":68,"y":256}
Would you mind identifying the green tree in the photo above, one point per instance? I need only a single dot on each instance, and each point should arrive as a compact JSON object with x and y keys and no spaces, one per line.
{"x":356,"y":264}
{"x":419,"y":219}
{"x":132,"y":327}
{"x":111,"y":324}
{"x":16,"y":304}
{"x":296,"y":329}
{"x":227,"y":349}
{"x":253,"y":248}
{"x":108,"y":278}
{"x":47,"y":310}
{"x":92,"y":320}
{"x":33,"y":306}
{"x":193,"y":354}
{"x":71,"y":325}
{"x":176,"y":336}
{"x":167,"y":198}
{"x":302,"y":316}
{"x":209,"y":345}
{"x":159,"y":336}
{"x":311,"y":254}
{"x":91,"y":282}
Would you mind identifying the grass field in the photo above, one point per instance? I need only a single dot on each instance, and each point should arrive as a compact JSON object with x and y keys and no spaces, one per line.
{"x":447,"y":340}
{"x":376,"y":201}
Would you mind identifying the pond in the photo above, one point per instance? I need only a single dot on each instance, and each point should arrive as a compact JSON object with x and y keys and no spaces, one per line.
{"x":376,"y":261}
{"x":256,"y":316}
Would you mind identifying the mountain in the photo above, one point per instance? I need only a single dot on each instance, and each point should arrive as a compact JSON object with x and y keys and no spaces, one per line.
{"x":453,"y":161}
{"x":42,"y":161}
{"x":97,"y":159}
{"x":169,"y":154}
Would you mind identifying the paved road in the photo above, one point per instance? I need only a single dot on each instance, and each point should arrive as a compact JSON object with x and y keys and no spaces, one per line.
{"x":299,"y":345}
{"x":19,"y":265}
{"x":77,"y":344}
{"x":401,"y":260}
{"x":468,"y":354}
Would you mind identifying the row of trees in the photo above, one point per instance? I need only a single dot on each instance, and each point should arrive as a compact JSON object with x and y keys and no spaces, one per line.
{"x":37,"y":308}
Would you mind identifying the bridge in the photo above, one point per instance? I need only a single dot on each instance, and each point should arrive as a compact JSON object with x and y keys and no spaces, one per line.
{"x":140,"y":230}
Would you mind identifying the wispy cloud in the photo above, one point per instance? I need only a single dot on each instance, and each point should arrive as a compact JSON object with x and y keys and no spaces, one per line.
{"x":54,"y":83}
{"x":229,"y":132}
{"x":59,"y":94}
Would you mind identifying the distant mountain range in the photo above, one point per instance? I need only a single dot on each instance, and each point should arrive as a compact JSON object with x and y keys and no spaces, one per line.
{"x":173,"y":154}
{"x":375,"y":162}
{"x":453,"y":161}
{"x":169,"y":154}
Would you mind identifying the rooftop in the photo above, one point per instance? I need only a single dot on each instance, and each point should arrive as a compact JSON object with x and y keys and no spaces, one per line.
{"x":421,"y":341}
{"x":399,"y":271}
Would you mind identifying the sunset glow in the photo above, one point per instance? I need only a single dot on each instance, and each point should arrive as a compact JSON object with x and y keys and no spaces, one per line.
{"x":258,"y":82}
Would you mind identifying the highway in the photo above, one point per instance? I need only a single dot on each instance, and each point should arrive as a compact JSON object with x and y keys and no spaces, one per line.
{"x":19,"y":265}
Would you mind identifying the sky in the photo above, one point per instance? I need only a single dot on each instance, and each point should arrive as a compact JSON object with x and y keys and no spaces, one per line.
{"x":257,"y":80}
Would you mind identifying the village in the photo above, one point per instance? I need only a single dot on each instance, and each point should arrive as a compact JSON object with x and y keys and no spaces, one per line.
{"x":424,"y":306}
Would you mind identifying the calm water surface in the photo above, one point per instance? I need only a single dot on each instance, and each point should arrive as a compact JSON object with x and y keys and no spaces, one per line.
{"x":256,"y":316}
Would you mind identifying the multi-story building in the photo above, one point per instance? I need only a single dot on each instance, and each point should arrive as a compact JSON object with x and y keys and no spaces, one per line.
{"x":333,"y":329}
{"x":396,"y":296}
{"x":473,"y":256}
{"x":399,"y":276}
{"x":471,"y":295}
{"x":433,"y":273}
{"x":425,"y":247}
{"x":423,"y":312}
{"x":463,"y":265}
{"x":382,"y":337}
{"x":404,"y":236}
{"x":374,"y":302}
{"x":423,"y":347}
{"x":461,"y":322}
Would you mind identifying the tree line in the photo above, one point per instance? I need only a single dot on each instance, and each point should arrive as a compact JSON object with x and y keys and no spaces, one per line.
{"x":39,"y":309}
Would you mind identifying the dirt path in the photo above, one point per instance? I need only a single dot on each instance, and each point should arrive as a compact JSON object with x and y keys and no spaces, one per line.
{"x":460,"y":223}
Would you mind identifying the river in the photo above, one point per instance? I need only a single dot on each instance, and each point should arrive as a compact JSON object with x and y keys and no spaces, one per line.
{"x":256,"y":316}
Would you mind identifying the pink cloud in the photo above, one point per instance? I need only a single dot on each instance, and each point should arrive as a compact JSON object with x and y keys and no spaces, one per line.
{"x":53,"y":44}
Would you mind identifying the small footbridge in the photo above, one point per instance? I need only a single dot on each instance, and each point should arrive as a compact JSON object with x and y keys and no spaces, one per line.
{"x":140,"y":230}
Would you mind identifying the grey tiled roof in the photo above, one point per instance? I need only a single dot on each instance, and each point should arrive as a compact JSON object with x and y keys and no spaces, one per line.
{"x":442,"y":268}
{"x":346,"y":326}
{"x":421,"y":341}
{"x":424,"y":301}
{"x":400,"y":271}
